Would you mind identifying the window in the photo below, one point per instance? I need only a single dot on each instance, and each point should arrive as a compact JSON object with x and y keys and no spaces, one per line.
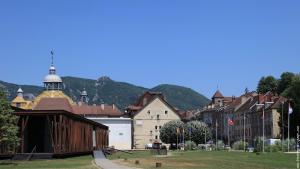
{"x":155,"y":127}
{"x":157,"y":116}
{"x":166,"y":112}
{"x":159,"y":127}
{"x":149,"y":112}
{"x":156,"y":137}
{"x":18,"y":105}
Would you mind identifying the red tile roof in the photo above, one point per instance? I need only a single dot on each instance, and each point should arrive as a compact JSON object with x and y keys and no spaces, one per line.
{"x":53,"y":104}
{"x":218,"y":94}
{"x":83,"y":109}
{"x":97,"y":110}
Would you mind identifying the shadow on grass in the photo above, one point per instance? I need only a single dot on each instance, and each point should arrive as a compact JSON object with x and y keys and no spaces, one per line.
{"x":2,"y":163}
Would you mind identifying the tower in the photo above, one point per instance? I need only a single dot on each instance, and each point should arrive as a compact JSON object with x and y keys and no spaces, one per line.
{"x":84,"y":96}
{"x":20,"y":92}
{"x":52,"y":81}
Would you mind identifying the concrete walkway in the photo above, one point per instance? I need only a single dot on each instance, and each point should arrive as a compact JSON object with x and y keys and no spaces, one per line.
{"x":104,"y":163}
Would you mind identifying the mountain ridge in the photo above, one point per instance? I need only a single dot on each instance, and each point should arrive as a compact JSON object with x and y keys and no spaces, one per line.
{"x":106,"y":90}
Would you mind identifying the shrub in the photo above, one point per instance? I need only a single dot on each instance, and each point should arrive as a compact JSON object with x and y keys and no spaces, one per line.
{"x":239,"y":145}
{"x":292,"y":144}
{"x":221,"y":145}
{"x":190,"y":145}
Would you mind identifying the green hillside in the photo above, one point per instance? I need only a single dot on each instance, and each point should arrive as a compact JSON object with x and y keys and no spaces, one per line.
{"x":112,"y":92}
{"x":181,"y":97}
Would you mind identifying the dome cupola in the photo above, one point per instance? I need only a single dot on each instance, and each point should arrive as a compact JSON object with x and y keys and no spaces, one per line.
{"x":52,"y":81}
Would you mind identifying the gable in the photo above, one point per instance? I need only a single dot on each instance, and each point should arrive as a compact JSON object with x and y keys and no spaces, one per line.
{"x":157,"y":106}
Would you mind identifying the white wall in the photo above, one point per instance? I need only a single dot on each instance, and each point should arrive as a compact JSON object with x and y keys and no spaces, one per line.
{"x":119,"y":131}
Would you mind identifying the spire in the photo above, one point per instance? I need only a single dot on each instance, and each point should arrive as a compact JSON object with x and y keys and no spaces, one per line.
{"x":52,"y":81}
{"x":218,"y":94}
{"x":52,"y":70}
{"x":20,"y":92}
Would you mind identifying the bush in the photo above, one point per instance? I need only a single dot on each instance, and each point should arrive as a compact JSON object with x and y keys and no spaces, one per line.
{"x":292,"y":145}
{"x":258,"y":144}
{"x":239,"y":145}
{"x":273,"y":148}
{"x":190,"y":145}
{"x":221,"y":145}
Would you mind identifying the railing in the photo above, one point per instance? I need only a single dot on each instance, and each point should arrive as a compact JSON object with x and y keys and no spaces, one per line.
{"x":31,"y":154}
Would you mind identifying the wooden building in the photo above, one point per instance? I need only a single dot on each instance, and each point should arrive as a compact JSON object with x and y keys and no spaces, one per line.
{"x":49,"y":124}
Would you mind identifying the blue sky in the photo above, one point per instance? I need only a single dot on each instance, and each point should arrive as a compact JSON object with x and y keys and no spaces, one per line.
{"x":198,"y":44}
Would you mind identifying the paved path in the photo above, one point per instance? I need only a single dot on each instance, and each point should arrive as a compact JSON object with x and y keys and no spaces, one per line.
{"x":104,"y":163}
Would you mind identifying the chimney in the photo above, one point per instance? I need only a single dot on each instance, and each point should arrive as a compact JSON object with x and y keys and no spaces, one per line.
{"x":102,"y":106}
{"x":113,"y":106}
{"x":233,"y":97}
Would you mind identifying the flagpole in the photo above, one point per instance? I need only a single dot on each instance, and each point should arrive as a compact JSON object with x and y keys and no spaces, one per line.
{"x":289,"y":130}
{"x":216,"y":134}
{"x":190,"y":133}
{"x":282,"y":126}
{"x":263,"y":129}
{"x":183,"y":137}
{"x":228,"y":139}
{"x":244,"y":132}
{"x":177,"y":137}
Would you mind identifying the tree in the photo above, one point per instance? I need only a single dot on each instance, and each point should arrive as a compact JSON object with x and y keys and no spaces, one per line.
{"x":199,"y":130}
{"x":168,"y":132}
{"x":267,"y":84}
{"x":285,"y":81}
{"x":8,"y":125}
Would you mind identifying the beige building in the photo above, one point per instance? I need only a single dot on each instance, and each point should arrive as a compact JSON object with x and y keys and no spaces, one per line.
{"x":246,"y":116}
{"x":149,"y":114}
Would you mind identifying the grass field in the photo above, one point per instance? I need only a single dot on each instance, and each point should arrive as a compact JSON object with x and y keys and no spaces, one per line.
{"x":209,"y":160}
{"x":83,"y":162}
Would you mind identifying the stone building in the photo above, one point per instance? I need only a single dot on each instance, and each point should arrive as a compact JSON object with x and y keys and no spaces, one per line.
{"x":149,"y":114}
{"x":245,"y":112}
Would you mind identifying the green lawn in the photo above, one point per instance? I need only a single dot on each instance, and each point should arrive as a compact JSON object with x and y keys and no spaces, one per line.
{"x":210,"y":160}
{"x":83,"y":162}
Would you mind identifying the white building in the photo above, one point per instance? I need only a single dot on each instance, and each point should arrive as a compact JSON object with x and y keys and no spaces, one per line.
{"x":119,"y":131}
{"x":119,"y":127}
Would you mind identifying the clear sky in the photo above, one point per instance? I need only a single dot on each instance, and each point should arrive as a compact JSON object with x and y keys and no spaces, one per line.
{"x":198,"y":44}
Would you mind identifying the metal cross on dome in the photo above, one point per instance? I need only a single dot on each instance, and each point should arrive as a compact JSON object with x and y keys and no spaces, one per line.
{"x":52,"y":53}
